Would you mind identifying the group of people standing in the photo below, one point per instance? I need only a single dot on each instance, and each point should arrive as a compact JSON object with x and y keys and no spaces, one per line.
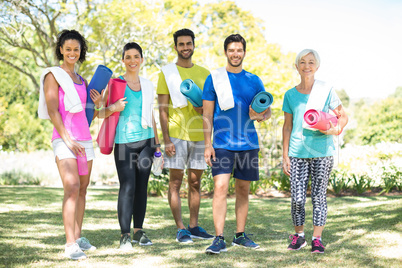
{"x":226,"y":114}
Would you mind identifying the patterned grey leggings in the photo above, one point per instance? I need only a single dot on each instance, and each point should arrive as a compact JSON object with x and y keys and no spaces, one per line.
{"x":301,"y":169}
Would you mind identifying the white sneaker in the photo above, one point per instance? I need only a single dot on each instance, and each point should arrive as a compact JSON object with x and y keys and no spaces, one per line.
{"x":84,"y":244}
{"x":74,"y":252}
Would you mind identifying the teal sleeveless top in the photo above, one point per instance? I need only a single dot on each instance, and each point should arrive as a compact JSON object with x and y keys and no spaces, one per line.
{"x":129,"y":127}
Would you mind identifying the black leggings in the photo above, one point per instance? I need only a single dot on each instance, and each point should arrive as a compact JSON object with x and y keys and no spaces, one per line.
{"x":133,"y":163}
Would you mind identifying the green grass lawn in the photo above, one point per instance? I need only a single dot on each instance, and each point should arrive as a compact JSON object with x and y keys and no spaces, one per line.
{"x":360,"y":232}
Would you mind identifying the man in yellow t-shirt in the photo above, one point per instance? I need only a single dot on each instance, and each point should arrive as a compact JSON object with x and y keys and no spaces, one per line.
{"x":184,"y":139}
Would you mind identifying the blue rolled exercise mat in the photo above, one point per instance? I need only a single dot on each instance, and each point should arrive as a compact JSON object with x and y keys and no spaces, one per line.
{"x":262,"y":101}
{"x":98,"y":82}
{"x":192,"y":92}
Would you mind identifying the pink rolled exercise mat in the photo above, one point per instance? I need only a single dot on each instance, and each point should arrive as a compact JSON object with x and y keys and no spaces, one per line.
{"x":107,"y":132}
{"x":319,"y":120}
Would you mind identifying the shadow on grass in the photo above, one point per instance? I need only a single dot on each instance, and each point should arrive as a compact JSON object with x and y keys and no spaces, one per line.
{"x":36,"y":231}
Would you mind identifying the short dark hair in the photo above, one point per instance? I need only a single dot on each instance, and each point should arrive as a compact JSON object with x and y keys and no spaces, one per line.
{"x":183,"y":32}
{"x":234,"y":38}
{"x":65,"y":35}
{"x":131,"y":45}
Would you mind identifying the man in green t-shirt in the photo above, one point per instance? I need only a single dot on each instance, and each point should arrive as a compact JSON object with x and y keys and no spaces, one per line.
{"x":183,"y":136}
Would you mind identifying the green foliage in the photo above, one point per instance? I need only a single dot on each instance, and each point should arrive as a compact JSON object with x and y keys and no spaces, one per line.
{"x":22,"y":131}
{"x":379,"y":122}
{"x":280,"y":180}
{"x":158,"y":185}
{"x":107,"y":27}
{"x":207,"y":181}
{"x":18,"y":178}
{"x":344,"y":97}
{"x":20,"y":128}
{"x":383,"y":122}
{"x":232,"y":186}
{"x":397,"y":93}
{"x":391,"y":178}
{"x":362,"y":183}
{"x":254,"y":185}
{"x":338,"y":181}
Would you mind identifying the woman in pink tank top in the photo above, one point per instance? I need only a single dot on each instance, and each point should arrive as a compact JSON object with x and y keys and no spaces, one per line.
{"x":71,"y":139}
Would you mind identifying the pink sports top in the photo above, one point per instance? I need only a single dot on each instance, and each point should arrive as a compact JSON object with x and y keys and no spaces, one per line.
{"x":76,"y":124}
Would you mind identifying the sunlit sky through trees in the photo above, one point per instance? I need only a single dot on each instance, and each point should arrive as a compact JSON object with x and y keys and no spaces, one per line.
{"x":359,"y":41}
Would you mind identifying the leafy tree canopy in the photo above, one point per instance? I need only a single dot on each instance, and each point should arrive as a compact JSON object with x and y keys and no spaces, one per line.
{"x":29,"y":30}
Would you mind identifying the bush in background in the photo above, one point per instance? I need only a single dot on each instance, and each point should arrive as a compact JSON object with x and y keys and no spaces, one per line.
{"x":18,"y":178}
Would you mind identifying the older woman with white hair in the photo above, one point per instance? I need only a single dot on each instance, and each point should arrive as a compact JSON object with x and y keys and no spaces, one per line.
{"x":308,"y":153}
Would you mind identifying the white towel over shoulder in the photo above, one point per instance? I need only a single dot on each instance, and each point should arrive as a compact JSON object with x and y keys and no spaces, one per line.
{"x":72,"y":101}
{"x":318,"y":96}
{"x":148,"y":94}
{"x":173,"y":81}
{"x":223,"y":89}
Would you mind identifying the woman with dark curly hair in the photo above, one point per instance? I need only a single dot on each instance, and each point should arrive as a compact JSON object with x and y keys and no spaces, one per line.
{"x":62,"y":99}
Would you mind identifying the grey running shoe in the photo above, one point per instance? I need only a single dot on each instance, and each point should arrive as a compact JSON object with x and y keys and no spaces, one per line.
{"x":125,"y":242}
{"x":74,"y":252}
{"x":141,"y":238}
{"x":84,"y":244}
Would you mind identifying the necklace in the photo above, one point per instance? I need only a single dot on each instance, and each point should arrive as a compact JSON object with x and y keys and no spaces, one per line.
{"x":73,"y":74}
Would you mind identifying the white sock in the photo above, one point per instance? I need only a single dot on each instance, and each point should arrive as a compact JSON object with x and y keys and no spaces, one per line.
{"x":301,"y":234}
{"x":319,"y":237}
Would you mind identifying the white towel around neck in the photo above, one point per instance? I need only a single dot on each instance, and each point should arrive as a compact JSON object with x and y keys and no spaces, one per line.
{"x":148,"y":94}
{"x":173,"y":81}
{"x":72,"y":100}
{"x":318,"y":96}
{"x":223,"y":89}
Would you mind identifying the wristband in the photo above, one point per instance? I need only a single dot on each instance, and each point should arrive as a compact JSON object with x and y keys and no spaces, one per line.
{"x":98,"y":109}
{"x":158,"y":145}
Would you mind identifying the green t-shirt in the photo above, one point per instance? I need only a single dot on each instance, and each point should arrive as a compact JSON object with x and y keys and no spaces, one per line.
{"x":185,"y":123}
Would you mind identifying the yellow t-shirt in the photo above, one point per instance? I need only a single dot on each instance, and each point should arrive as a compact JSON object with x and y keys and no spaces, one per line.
{"x":185,"y":123}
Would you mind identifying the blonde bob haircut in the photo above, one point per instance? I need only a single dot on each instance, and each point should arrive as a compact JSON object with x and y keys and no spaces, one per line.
{"x":305,"y":52}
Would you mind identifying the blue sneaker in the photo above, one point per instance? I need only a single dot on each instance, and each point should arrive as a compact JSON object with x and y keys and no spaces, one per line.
{"x":244,"y":241}
{"x":218,"y":246}
{"x":183,"y":236}
{"x":199,"y":232}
